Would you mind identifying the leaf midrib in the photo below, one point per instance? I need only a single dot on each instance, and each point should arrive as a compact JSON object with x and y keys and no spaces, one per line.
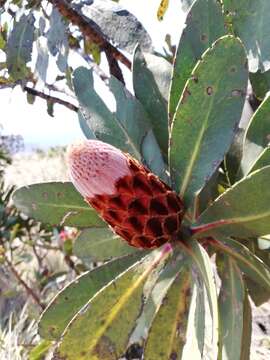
{"x":54,"y":205}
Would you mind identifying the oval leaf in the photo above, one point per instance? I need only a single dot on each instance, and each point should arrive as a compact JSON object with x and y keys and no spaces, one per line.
{"x":117,"y":24}
{"x":75,"y":295}
{"x":248,"y":262}
{"x":100,"y":245}
{"x":56,"y":203}
{"x":250,"y":22}
{"x":257,"y":136}
{"x":260,"y":82}
{"x":204,"y":25}
{"x":208,"y":113}
{"x":19,"y":47}
{"x":247,"y":329}
{"x":202,"y":272}
{"x":258,"y":130}
{"x":101,"y":330}
{"x":158,"y":293}
{"x":148,"y":93}
{"x":240,"y":211}
{"x":170,"y":323}
{"x":128,"y":128}
{"x":231,"y":308}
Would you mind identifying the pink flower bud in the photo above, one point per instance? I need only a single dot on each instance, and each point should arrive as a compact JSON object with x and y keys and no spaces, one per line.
{"x":136,"y":203}
{"x":95,"y":167}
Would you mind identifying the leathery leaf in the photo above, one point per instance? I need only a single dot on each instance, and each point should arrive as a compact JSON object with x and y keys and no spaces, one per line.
{"x":202,"y":273}
{"x":204,"y":25}
{"x":128,"y":128}
{"x":75,"y":295}
{"x":171,"y":321}
{"x":241,"y":211}
{"x":207,"y":116}
{"x":101,"y":329}
{"x":231,"y":308}
{"x":100,"y":244}
{"x":56,"y":203}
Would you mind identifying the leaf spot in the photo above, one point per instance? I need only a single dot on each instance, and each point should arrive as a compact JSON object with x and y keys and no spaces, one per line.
{"x":185,"y":95}
{"x":173,"y":356}
{"x":209,"y":90}
{"x":195,"y":79}
{"x":204,"y":38}
{"x":236,"y":92}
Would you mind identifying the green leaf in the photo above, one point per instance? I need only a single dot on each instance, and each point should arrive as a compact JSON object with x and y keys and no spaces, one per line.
{"x":260,"y":82}
{"x":247,"y":330}
{"x":204,"y":25}
{"x":128,"y":128}
{"x":164,"y":281}
{"x":258,"y":130}
{"x":231,"y":308}
{"x":208,"y":113}
{"x":30,"y":98}
{"x":202,"y":271}
{"x":101,"y":329}
{"x":170,"y":324}
{"x":233,"y":158}
{"x":199,"y":315}
{"x":118,"y":25}
{"x":100,"y":245}
{"x":39,"y":351}
{"x":262,"y":161}
{"x":257,"y":136}
{"x":240,"y":211}
{"x":257,"y":292}
{"x":148,"y":93}
{"x":57,"y":33}
{"x":74,"y":296}
{"x":248,"y":262}
{"x":56,"y":203}
{"x":19,"y":47}
{"x":251,"y":23}
{"x":50,"y":108}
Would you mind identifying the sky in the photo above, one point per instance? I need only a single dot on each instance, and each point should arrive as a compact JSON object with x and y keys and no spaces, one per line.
{"x":32,"y":121}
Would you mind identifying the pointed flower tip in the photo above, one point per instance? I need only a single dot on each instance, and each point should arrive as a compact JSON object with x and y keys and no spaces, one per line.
{"x":95,"y":167}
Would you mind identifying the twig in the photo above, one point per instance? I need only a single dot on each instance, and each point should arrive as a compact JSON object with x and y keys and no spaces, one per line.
{"x":90,"y":30}
{"x":114,"y":67}
{"x":51,"y":98}
{"x":23,"y":283}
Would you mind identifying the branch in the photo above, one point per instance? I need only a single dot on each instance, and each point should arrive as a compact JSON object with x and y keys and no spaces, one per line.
{"x":114,"y":67}
{"x":90,"y":30}
{"x":51,"y":98}
{"x":23,"y":283}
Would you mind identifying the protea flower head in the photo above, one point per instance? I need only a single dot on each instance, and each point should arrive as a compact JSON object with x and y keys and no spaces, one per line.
{"x":136,"y":203}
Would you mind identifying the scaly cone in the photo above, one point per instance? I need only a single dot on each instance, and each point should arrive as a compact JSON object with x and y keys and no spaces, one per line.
{"x":136,"y":203}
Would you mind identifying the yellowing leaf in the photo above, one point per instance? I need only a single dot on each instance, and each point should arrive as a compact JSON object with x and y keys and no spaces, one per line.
{"x":162,"y":9}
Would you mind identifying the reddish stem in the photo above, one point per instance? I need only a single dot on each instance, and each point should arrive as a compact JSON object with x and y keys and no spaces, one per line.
{"x":206,"y":227}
